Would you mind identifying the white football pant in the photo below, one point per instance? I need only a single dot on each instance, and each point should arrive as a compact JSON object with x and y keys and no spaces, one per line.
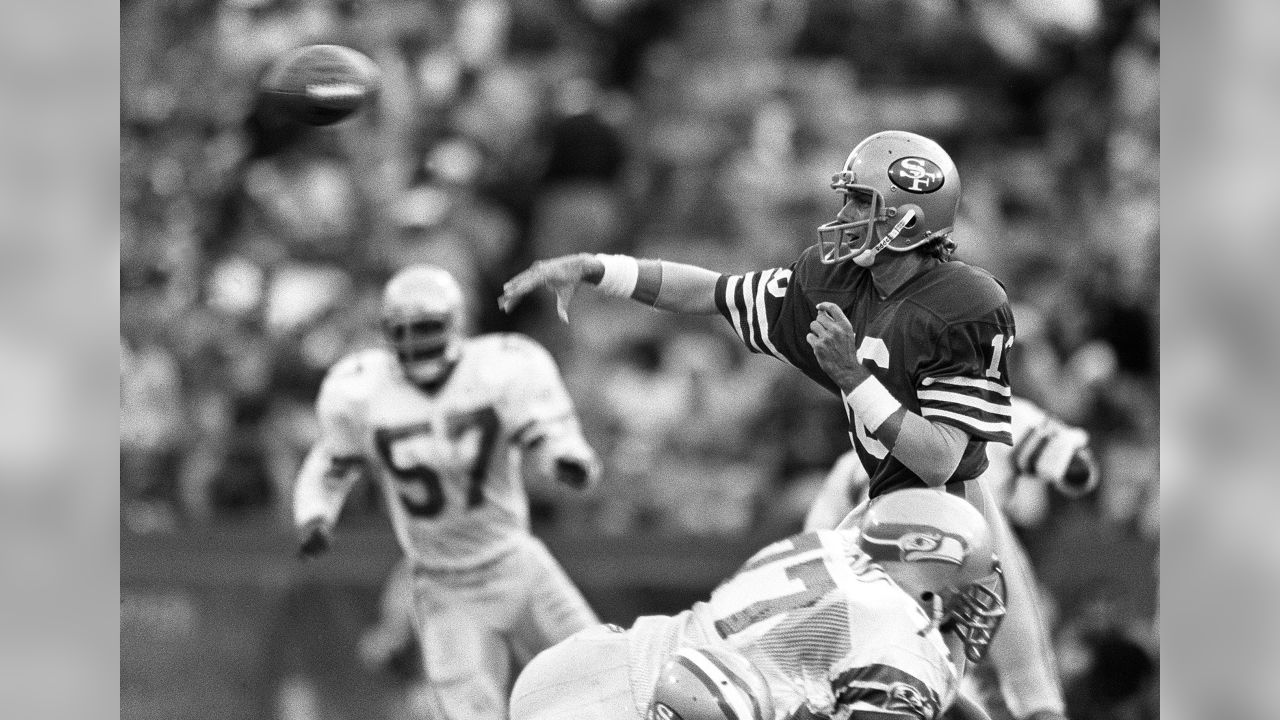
{"x":473,"y":623}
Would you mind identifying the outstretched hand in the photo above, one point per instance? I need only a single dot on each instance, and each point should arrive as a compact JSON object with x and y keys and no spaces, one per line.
{"x":561,"y":275}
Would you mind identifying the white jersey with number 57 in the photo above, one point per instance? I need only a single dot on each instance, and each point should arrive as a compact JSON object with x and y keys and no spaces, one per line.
{"x":447,"y":460}
{"x":830,"y":632}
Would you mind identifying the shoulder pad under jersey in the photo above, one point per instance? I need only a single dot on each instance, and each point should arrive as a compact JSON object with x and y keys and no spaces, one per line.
{"x":508,"y":355}
{"x":351,"y":379}
{"x":977,"y":291}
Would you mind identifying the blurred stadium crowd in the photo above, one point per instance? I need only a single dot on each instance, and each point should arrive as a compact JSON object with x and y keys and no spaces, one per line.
{"x":253,"y":252}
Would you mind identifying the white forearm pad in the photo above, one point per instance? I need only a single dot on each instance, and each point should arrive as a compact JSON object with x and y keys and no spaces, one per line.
{"x":621,"y":272}
{"x":871,"y":403}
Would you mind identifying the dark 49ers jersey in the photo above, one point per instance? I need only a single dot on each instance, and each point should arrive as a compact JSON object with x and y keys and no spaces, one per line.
{"x":939,"y":344}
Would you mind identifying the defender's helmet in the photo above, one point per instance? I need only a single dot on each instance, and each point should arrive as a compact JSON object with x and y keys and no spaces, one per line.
{"x":710,"y":683}
{"x":423,"y":322}
{"x":900,"y":191}
{"x":937,"y":548}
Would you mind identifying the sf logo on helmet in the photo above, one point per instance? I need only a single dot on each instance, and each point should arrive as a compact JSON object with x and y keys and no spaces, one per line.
{"x":916,"y":174}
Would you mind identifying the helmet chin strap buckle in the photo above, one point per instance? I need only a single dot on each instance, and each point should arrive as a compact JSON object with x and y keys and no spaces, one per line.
{"x":935,"y":614}
{"x":901,"y":225}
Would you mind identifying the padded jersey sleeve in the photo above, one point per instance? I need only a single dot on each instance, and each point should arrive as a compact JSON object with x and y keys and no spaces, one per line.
{"x":324,"y":480}
{"x":338,"y":409}
{"x":757,"y":305}
{"x":964,"y":381}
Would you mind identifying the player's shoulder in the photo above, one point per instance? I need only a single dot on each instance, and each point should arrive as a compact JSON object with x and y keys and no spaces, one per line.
{"x":505,"y":343}
{"x":974,"y":282}
{"x":503,"y":349}
{"x":352,"y":379}
{"x":957,"y":291}
{"x":503,"y":356}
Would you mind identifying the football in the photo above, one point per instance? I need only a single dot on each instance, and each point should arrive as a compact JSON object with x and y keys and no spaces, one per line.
{"x":321,"y":84}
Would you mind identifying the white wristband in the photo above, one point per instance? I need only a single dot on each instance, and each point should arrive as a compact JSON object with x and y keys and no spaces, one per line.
{"x":871,"y":403}
{"x":620,"y":275}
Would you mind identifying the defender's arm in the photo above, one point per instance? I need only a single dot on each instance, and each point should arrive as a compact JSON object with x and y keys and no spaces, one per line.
{"x":319,"y":494}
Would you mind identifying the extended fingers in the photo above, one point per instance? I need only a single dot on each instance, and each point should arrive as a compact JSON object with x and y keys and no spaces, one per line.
{"x":522,"y":284}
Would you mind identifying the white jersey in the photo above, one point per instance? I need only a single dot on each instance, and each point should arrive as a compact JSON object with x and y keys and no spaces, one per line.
{"x":446,"y":460}
{"x":829,"y":631}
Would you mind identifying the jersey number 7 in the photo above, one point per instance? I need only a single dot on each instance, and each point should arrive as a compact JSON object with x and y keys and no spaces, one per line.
{"x":814,"y":578}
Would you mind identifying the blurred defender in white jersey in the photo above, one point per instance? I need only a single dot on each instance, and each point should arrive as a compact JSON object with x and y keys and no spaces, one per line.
{"x":839,"y":624}
{"x":1045,"y":453}
{"x":451,"y":426}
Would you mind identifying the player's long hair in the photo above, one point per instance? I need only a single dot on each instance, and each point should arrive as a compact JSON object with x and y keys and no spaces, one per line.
{"x":941,"y":248}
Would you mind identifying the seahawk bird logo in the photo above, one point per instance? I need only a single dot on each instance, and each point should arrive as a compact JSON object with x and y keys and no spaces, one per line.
{"x":915,"y":543}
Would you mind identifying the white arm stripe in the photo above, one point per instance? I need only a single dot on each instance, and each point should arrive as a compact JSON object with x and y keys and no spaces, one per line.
{"x":983,"y":425}
{"x":735,"y":317}
{"x":960,"y":399}
{"x":750,"y":326}
{"x":987,"y":385}
{"x":763,"y":314}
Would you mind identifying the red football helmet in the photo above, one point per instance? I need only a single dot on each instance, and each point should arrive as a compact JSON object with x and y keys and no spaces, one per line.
{"x":900,"y":191}
{"x":710,"y":683}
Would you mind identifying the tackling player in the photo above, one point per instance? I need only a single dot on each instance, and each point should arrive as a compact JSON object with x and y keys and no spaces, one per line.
{"x":915,"y":343}
{"x":829,"y":624}
{"x":451,"y":426}
{"x":1045,"y":452}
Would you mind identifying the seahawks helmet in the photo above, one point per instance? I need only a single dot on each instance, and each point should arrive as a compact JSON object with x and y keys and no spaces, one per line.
{"x":422,"y":319}
{"x":938,"y":549}
{"x":900,"y":191}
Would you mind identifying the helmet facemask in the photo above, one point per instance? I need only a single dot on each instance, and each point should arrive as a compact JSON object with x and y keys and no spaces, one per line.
{"x":848,"y":239}
{"x":422,"y":320}
{"x":427,"y":345}
{"x":975,"y":613}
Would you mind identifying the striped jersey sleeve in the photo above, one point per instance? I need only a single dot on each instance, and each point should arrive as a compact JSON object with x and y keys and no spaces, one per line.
{"x":966,"y":383}
{"x":754,"y":303}
{"x":879,"y":691}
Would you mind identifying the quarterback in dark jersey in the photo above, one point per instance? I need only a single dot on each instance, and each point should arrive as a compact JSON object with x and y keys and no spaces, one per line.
{"x":915,"y":343}
{"x":876,"y":311}
{"x":936,"y":343}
